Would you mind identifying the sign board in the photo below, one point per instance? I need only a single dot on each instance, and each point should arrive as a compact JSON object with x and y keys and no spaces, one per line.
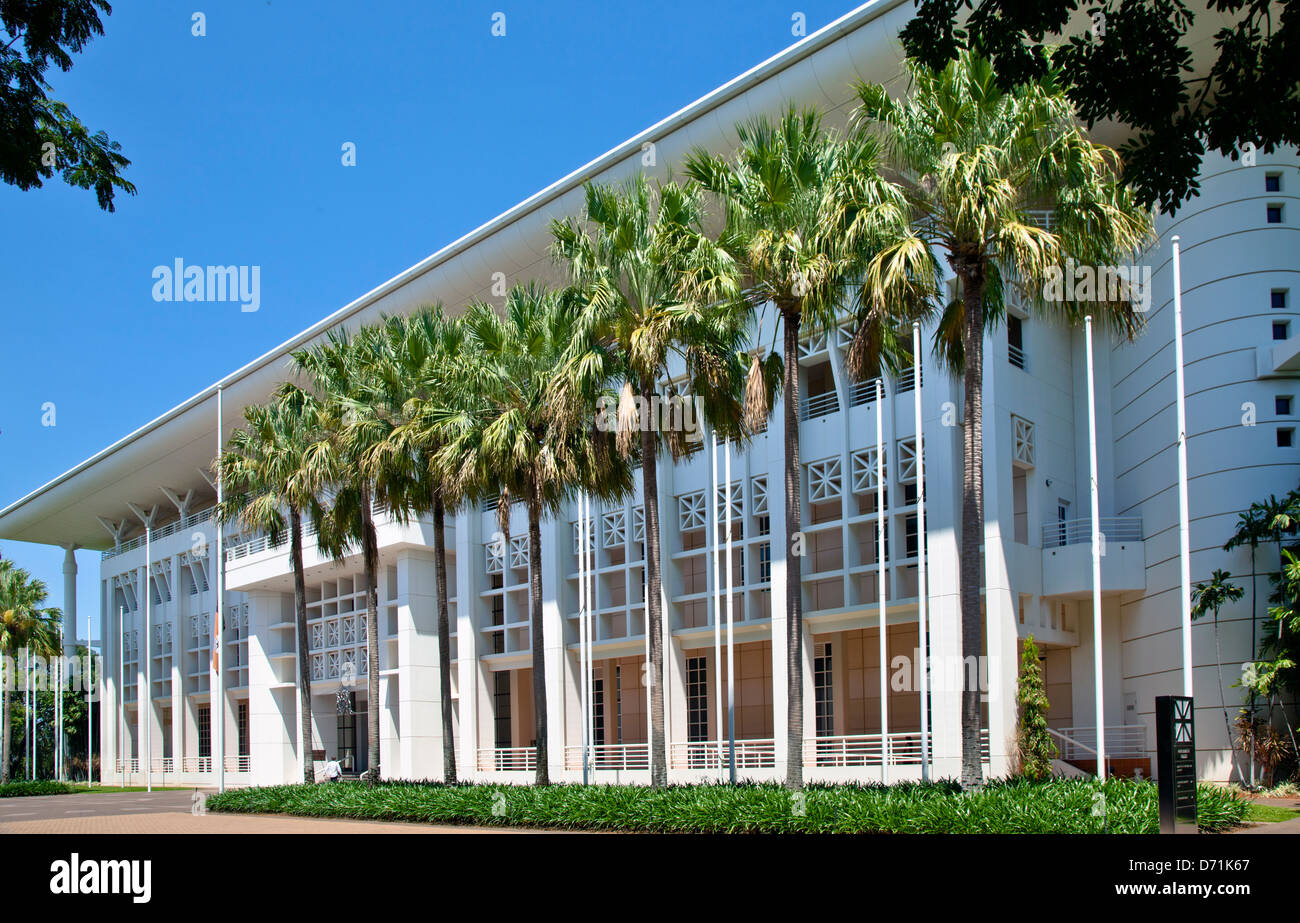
{"x":1176,"y":763}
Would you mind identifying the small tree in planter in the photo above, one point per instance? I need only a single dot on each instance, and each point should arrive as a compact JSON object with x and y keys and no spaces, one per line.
{"x":1034,"y":743}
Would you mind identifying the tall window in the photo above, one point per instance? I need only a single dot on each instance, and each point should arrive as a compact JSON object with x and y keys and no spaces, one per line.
{"x":347,"y":734}
{"x":501,"y":707}
{"x":598,"y":712}
{"x":822,"y":684}
{"x":618,"y":701}
{"x":697,"y":699}
{"x":205,"y":731}
{"x":243,"y":727}
{"x":1015,"y":341}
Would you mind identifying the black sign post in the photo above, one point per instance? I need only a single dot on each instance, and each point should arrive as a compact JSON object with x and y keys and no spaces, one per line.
{"x":1176,"y":763}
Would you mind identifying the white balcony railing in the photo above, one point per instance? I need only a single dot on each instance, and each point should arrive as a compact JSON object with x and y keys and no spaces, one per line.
{"x":904,"y":749}
{"x":1126,"y":741}
{"x":197,"y":764}
{"x":864,"y":392}
{"x":1079,"y":531}
{"x":507,"y":759}
{"x":620,"y":757}
{"x":819,"y":405}
{"x":131,"y":765}
{"x":241,"y":763}
{"x":1016,"y":356}
{"x":713,"y":754}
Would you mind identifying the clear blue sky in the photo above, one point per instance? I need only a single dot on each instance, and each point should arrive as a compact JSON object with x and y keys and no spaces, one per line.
{"x":235,"y":141}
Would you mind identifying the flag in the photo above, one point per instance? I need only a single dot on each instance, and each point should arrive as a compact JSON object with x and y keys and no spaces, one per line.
{"x":216,"y":638}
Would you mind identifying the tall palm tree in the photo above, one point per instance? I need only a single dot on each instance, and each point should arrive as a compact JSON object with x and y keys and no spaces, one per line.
{"x":261,"y":471}
{"x":410,"y":388}
{"x":973,"y":160}
{"x":336,"y":370}
{"x":786,"y":224}
{"x":519,"y":441}
{"x":25,"y":623}
{"x":1211,"y":597}
{"x":1252,"y":528}
{"x":654,"y":290}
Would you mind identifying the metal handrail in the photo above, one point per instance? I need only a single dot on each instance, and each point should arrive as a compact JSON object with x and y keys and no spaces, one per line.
{"x":1059,"y":533}
{"x":819,"y":405}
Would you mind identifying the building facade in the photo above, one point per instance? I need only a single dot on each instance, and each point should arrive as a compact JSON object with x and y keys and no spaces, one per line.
{"x":147,"y":503}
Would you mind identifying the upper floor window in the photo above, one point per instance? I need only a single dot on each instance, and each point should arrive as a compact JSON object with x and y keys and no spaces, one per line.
{"x":1015,"y":341}
{"x":1277,"y":298}
{"x":1272,"y":182}
{"x":1274,"y":213}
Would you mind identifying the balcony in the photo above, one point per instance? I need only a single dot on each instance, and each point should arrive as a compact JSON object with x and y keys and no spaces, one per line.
{"x":856,"y":750}
{"x":507,"y":759}
{"x":714,"y":754}
{"x":616,"y":757}
{"x":819,"y":405}
{"x":1067,"y":557}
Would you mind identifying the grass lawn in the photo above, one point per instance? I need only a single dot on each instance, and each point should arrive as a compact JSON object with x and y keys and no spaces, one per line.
{"x":1015,"y":806}
{"x":1269,"y":813}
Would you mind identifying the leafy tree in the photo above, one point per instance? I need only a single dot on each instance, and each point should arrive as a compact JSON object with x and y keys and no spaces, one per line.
{"x":263,"y":475}
{"x":653,"y":289}
{"x":40,"y":136}
{"x":1134,"y":64}
{"x":26,"y":623}
{"x":1034,"y":743}
{"x":973,"y":160}
{"x":803,"y":205}
{"x":1210,"y":598}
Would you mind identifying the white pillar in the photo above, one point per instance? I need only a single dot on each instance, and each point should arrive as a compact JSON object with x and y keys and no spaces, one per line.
{"x":272,"y":712}
{"x":419,"y":702}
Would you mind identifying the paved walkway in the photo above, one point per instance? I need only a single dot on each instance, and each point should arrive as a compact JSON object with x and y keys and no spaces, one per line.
{"x":172,"y":812}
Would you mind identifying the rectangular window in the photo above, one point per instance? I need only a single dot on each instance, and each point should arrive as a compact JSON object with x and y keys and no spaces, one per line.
{"x":912,"y":543}
{"x":1281,"y":329}
{"x":763,"y":524}
{"x":1278,"y":298}
{"x":765,"y":562}
{"x":1015,"y":341}
{"x":1272,"y":182}
{"x":346,"y":727}
{"x":618,"y":701}
{"x":1285,"y":437}
{"x":501,"y":708}
{"x":824,"y":688}
{"x":697,"y":699}
{"x":243,"y":727}
{"x":1274,"y":214}
{"x":598,"y":712}
{"x":1282,"y":406}
{"x":204,"y":721}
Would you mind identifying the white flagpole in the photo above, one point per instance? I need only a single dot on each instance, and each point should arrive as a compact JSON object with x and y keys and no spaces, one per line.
{"x":1096,"y":557}
{"x":58,"y":709}
{"x":588,"y":540}
{"x":715,"y":560}
{"x":880,"y":584}
{"x":1184,"y":526}
{"x":146,"y":706}
{"x":582,"y":634}
{"x":216,"y":704}
{"x":731,"y":645}
{"x":922,"y":600}
{"x":121,"y":690}
{"x":91,"y":675}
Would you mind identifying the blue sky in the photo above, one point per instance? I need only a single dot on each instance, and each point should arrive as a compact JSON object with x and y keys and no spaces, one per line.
{"x":236,"y":144}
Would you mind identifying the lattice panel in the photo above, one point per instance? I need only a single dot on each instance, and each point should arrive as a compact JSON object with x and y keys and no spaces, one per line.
{"x":495,"y":554}
{"x":1022,"y":441}
{"x":864,"y":470}
{"x":638,"y":523}
{"x":691,"y":513}
{"x":758,"y":488}
{"x":613,"y":526}
{"x":907,"y":461}
{"x":813,"y":345}
{"x":577,"y":536}
{"x":519,"y":551}
{"x":737,"y":501}
{"x":825,"y":480}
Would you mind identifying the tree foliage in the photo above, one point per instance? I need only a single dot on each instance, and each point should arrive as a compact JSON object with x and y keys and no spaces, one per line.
{"x":1033,"y":742}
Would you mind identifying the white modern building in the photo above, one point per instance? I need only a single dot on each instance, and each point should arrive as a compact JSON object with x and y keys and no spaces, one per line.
{"x":144,"y":503}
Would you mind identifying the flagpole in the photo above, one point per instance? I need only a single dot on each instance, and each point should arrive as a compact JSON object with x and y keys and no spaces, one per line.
{"x":880,"y":583}
{"x":92,"y":681}
{"x":922,"y":600}
{"x":146,"y":707}
{"x":121,"y":689}
{"x":714,"y":560}
{"x":731,"y":645}
{"x":1096,"y":557}
{"x":1184,"y":526}
{"x":593,"y":604}
{"x":216,"y":709}
{"x":582,"y":633}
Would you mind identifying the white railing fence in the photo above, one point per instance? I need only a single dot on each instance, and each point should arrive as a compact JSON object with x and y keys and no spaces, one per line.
{"x":621,"y":757}
{"x":507,"y":759}
{"x":1059,"y":533}
{"x":1127,"y":741}
{"x":713,"y":754}
{"x":847,"y":750}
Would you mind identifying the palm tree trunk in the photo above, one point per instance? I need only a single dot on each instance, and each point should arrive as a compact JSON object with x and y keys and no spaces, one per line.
{"x":972,"y":518}
{"x":791,"y":318}
{"x":370,"y":554}
{"x":538,"y":637}
{"x":654,"y":602}
{"x":1223,"y":698}
{"x":444,"y":639}
{"x":6,"y":709}
{"x":304,"y":664}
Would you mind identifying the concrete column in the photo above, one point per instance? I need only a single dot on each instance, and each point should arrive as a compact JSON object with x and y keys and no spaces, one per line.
{"x":554,"y":531}
{"x":69,"y":615}
{"x":470,"y":681}
{"x":179,"y":613}
{"x":419,"y":707}
{"x":143,"y":700}
{"x":780,"y":616}
{"x":272,"y":711}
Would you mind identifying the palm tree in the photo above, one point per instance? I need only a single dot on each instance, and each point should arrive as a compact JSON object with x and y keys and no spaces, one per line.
{"x":337,"y":369}
{"x":654,"y":290}
{"x":1211,"y":597}
{"x":973,"y":160}
{"x":410,"y":389}
{"x":793,"y":191}
{"x":519,"y":441}
{"x":1252,"y":528}
{"x":25,"y":623}
{"x":261,"y":471}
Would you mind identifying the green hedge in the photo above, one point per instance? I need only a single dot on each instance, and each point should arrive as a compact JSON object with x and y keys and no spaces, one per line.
{"x":23,"y":789}
{"x":1014,"y":806}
